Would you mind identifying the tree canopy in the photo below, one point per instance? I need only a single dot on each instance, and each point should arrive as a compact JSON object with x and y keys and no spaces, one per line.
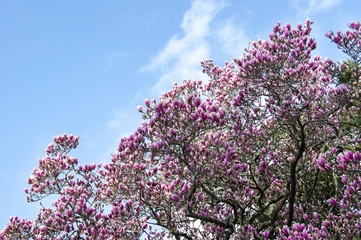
{"x":267,"y":148}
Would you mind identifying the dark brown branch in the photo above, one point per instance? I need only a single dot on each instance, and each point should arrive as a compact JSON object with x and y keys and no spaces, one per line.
{"x":293,"y":179}
{"x":209,"y":219}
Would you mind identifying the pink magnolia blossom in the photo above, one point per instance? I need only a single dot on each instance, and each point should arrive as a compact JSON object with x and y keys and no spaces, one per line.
{"x":261,"y":150}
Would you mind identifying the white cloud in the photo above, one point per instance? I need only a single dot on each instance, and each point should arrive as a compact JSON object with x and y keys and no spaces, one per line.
{"x":120,"y":117}
{"x":203,"y":36}
{"x":123,"y":123}
{"x":231,"y":39}
{"x":187,"y":66}
{"x":115,"y":124}
{"x":313,"y":6}
{"x":195,"y":27}
{"x":111,"y":58}
{"x":323,"y":4}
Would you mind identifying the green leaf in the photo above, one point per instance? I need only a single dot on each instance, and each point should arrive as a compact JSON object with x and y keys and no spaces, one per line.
{"x":358,"y":147}
{"x":350,"y":148}
{"x":347,"y":127}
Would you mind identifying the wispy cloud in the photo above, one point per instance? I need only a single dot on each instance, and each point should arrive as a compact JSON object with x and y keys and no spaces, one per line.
{"x":195,"y":28}
{"x":202,"y":36}
{"x":186,"y":66}
{"x":123,"y":123}
{"x":323,"y":4}
{"x":120,"y":118}
{"x":305,"y":8}
{"x":111,"y":58}
{"x":231,"y":38}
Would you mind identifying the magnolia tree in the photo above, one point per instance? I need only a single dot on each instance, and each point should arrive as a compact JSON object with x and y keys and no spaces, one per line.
{"x":268,"y":148}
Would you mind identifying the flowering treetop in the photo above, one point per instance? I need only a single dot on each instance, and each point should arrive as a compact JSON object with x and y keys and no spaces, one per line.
{"x":263,"y":150}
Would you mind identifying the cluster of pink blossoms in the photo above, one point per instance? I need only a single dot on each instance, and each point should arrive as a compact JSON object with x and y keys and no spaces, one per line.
{"x":263,"y":150}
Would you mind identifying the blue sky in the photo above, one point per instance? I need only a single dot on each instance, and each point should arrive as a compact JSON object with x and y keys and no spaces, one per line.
{"x":82,"y":67}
